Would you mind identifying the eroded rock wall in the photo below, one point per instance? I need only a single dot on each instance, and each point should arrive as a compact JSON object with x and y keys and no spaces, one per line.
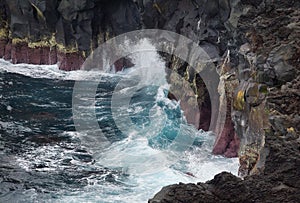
{"x":66,"y":32}
{"x":211,"y":25}
{"x":265,"y":110}
{"x":62,"y":31}
{"x":253,"y":46}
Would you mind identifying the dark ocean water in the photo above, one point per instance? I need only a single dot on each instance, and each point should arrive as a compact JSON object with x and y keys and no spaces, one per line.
{"x":44,"y":158}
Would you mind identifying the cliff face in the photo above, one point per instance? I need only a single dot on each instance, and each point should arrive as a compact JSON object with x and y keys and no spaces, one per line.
{"x":66,"y":32}
{"x":254,"y":46}
{"x":61,"y":31}
{"x":265,"y":110}
{"x":210,"y":24}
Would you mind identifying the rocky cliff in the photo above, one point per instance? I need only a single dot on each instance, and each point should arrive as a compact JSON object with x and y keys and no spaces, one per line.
{"x":66,"y":32}
{"x":61,"y":31}
{"x":263,"y":79}
{"x":254,"y":46}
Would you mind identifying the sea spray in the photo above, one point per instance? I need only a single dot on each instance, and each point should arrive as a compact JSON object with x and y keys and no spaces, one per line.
{"x":57,"y":165}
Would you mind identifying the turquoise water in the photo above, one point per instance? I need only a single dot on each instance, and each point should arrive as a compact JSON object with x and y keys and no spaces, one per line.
{"x":45,"y":159}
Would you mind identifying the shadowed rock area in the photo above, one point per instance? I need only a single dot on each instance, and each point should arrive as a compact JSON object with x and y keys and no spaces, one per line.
{"x":253,"y":45}
{"x":44,"y":32}
{"x":265,"y":110}
{"x":62,"y":31}
{"x":279,"y":182}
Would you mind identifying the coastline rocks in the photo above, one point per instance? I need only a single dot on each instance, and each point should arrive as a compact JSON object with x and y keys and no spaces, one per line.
{"x":207,"y":27}
{"x":69,"y":61}
{"x":65,"y":33}
{"x":265,"y":111}
{"x":227,"y":143}
{"x":60,"y":31}
{"x":279,"y":182}
{"x":185,"y":193}
{"x":254,"y":47}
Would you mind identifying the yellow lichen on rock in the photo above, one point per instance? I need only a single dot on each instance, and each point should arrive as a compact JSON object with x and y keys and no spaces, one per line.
{"x":239,"y":101}
{"x":19,"y":40}
{"x":290,"y":130}
{"x":45,"y":42}
{"x":67,"y":49}
{"x":3,"y":33}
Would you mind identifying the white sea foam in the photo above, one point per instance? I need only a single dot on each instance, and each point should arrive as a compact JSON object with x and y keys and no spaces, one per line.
{"x":150,"y":169}
{"x":49,"y":71}
{"x":147,"y":169}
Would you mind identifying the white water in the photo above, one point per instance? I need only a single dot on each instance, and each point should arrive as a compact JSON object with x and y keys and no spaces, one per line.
{"x":147,"y":169}
{"x":49,"y":71}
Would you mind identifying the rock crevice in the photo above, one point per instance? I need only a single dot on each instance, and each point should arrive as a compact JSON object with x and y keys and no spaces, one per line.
{"x":253,"y":46}
{"x":265,"y":109}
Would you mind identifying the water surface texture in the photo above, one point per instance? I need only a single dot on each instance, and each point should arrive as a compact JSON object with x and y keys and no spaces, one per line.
{"x":44,"y":159}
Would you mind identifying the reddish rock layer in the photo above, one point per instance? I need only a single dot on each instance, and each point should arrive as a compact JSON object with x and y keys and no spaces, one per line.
{"x":227,"y":142}
{"x":21,"y":53}
{"x":3,"y":43}
{"x":122,"y":64}
{"x":69,"y":61}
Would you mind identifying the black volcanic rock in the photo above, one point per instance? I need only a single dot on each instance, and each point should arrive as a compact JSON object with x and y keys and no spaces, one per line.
{"x":265,"y":110}
{"x":254,"y":46}
{"x":69,"y":29}
{"x":279,"y":182}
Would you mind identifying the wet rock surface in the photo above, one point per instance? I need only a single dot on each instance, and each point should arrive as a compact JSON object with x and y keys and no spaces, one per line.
{"x":253,"y":45}
{"x":66,"y":33}
{"x":265,"y":110}
{"x":279,"y":182}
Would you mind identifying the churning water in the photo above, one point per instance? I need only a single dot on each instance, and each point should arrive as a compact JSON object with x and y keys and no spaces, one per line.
{"x":44,"y":159}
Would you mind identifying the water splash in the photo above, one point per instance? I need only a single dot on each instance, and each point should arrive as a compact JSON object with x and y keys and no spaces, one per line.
{"x":140,"y":159}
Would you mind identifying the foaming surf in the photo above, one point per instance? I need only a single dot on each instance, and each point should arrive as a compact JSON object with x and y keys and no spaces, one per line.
{"x":59,"y":164}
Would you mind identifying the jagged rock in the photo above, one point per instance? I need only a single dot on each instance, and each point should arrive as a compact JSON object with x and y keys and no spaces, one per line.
{"x":265,"y":118}
{"x":68,"y":29}
{"x":122,"y":16}
{"x":278,"y":58}
{"x":254,"y":43}
{"x":66,"y":32}
{"x":279,"y":182}
{"x":185,"y":193}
